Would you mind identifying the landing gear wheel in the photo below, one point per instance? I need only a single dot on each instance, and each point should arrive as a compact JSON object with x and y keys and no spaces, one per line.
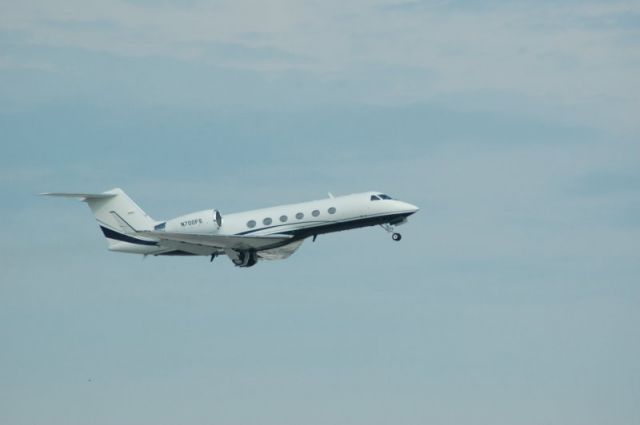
{"x":396,"y":237}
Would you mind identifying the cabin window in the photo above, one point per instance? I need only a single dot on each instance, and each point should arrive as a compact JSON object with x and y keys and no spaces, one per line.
{"x":315,"y":213}
{"x":267,"y":221}
{"x":374,"y":198}
{"x":251,"y":224}
{"x":299,"y":216}
{"x":283,"y":218}
{"x":331,"y":210}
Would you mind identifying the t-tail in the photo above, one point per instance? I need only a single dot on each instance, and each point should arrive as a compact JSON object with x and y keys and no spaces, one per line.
{"x":119,"y":217}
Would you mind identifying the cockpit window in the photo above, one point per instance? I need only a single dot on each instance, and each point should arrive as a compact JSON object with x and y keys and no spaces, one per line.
{"x":374,"y":198}
{"x":383,"y":196}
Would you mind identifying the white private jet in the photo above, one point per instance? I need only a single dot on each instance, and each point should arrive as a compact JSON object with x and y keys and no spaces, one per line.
{"x":246,"y":237}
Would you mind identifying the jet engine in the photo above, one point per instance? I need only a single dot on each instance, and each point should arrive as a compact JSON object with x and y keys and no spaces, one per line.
{"x":206,"y":221}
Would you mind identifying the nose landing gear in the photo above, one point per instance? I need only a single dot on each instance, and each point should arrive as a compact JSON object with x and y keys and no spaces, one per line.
{"x":389,"y":228}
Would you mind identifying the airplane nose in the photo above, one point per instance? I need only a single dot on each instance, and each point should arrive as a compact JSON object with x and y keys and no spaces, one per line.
{"x":411,"y":207}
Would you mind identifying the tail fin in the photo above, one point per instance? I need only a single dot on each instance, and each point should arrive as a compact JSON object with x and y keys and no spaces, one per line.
{"x":117,"y":214}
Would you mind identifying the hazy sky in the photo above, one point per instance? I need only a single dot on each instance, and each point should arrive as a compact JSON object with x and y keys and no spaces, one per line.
{"x":513,"y":297}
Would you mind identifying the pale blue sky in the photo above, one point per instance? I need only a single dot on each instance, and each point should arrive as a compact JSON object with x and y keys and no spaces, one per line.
{"x":512,"y":298}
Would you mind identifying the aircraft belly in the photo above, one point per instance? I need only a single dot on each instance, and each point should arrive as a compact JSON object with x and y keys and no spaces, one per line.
{"x":132,"y":248}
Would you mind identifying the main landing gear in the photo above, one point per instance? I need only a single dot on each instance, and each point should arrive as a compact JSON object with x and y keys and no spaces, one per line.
{"x":389,"y":228}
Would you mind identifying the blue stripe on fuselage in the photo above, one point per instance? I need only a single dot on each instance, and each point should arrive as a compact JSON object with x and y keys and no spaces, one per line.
{"x":112,"y":234}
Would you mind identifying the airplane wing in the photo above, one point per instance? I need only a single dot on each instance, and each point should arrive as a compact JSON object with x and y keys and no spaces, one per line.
{"x":281,"y":252}
{"x":220,"y":241}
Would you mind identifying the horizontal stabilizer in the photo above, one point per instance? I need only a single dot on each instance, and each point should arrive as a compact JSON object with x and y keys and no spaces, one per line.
{"x":80,"y":196}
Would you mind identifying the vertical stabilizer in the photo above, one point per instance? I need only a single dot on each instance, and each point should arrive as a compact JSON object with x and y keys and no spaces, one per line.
{"x":123,"y":206}
{"x":118,"y":217}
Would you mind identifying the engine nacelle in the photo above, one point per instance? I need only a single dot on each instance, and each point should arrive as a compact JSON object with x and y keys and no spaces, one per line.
{"x":206,"y":221}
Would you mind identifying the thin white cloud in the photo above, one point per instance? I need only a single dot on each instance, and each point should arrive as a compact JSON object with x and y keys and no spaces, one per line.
{"x":555,"y":55}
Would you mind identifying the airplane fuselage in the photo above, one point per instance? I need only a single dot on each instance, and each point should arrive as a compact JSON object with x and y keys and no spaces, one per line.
{"x":245,"y":237}
{"x":302,"y":219}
